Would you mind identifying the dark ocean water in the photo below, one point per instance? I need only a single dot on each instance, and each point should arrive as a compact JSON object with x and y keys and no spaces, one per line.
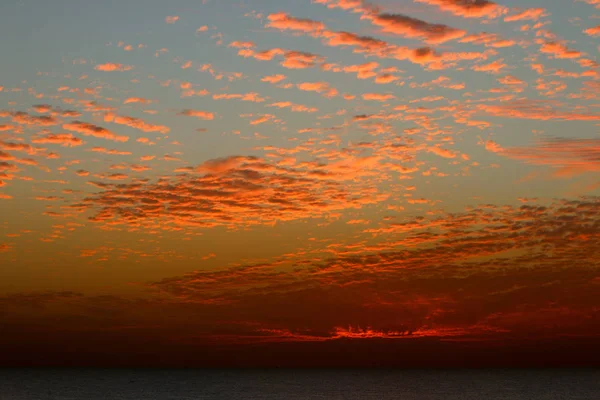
{"x":92,"y":384}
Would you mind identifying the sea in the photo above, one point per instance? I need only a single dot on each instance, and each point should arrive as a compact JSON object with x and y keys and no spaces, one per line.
{"x":291,"y":384}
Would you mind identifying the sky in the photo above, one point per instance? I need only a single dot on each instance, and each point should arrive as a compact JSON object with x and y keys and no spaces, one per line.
{"x":302,"y":183}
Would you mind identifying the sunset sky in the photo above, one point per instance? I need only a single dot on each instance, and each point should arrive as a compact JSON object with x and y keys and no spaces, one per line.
{"x":274,"y":182}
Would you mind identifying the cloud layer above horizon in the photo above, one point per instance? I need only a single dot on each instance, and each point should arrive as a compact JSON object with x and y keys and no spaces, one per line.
{"x":302,"y":171}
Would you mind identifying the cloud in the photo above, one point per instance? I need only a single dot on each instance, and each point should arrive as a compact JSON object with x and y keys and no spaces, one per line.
{"x":415,"y":28}
{"x":113,"y":152}
{"x":441,"y":152}
{"x":318,"y":87}
{"x":135,"y":123}
{"x":236,"y":191}
{"x":385,"y":78}
{"x":529,"y":14}
{"x":378,"y":96}
{"x":365,"y":43}
{"x":535,"y":110}
{"x":5,"y":247}
{"x":63,"y":139}
{"x":595,"y":3}
{"x":94,"y":130}
{"x":293,"y":107}
{"x":251,"y":97}
{"x":511,"y":80}
{"x":487,"y":39}
{"x":262,"y":119}
{"x":242,"y":45}
{"x":284,"y":21}
{"x":493,"y":67}
{"x":24,"y":147}
{"x":205,"y":115}
{"x":23,"y":118}
{"x":130,"y":100}
{"x":595,"y":31}
{"x":407,"y":287}
{"x":356,"y":6}
{"x":570,"y":156}
{"x":171,"y":19}
{"x":559,"y":50}
{"x":111,"y":67}
{"x":273,"y":78}
{"x":468,"y":8}
{"x":300,"y":60}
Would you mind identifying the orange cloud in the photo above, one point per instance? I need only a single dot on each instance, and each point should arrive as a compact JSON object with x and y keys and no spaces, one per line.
{"x":211,"y":194}
{"x":136,"y":100}
{"x":242,"y":45}
{"x":378,"y":96}
{"x":94,"y":130}
{"x":12,"y":146}
{"x":135,"y":123}
{"x":262,"y":119}
{"x":252,"y":97}
{"x":595,"y":31}
{"x":318,"y":87}
{"x":468,"y":8}
{"x":529,"y":14}
{"x":493,"y":67}
{"x":273,"y":78}
{"x":536,"y":110}
{"x":570,"y":156}
{"x":63,"y":139}
{"x":23,"y":118}
{"x":110,"y":67}
{"x":293,"y":107}
{"x":559,"y":50}
{"x":441,"y":152}
{"x":205,"y":115}
{"x":300,"y":60}
{"x":284,"y":21}
{"x":415,"y":28}
{"x":487,"y":39}
{"x":113,"y":152}
{"x":511,"y":80}
{"x":385,"y":78}
{"x":595,"y":3}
